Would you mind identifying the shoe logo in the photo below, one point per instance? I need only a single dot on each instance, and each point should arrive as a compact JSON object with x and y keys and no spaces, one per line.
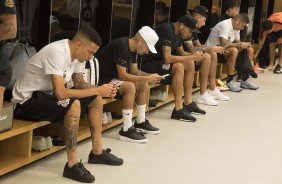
{"x":126,"y":114}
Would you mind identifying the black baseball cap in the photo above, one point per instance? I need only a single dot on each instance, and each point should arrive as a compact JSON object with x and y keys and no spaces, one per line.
{"x":201,"y":10}
{"x":189,"y":22}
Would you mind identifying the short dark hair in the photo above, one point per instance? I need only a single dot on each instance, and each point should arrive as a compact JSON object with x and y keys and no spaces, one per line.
{"x":242,"y":17}
{"x":162,"y":8}
{"x":267,"y":25}
{"x":90,"y":34}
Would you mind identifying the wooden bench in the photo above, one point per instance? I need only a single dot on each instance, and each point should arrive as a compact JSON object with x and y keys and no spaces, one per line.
{"x":16,"y":143}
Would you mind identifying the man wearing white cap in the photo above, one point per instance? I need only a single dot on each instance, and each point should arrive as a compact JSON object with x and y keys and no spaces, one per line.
{"x":118,"y":60}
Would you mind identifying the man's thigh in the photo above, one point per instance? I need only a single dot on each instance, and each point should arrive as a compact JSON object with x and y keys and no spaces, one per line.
{"x":160,"y":68}
{"x":45,"y":107}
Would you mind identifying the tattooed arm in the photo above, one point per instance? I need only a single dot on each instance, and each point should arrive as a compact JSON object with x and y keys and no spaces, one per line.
{"x":8,"y":26}
{"x":79,"y":82}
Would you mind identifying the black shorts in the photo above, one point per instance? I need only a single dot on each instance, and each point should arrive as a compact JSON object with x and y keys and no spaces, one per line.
{"x":221,"y":58}
{"x":274,"y":36}
{"x":197,"y":66}
{"x":160,"y":68}
{"x":44,"y":107}
{"x":5,"y":70}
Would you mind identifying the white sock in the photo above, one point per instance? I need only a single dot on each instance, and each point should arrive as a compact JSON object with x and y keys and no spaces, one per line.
{"x":127,"y":118}
{"x":141,"y":110}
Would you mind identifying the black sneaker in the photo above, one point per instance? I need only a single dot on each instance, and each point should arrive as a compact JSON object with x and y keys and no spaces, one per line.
{"x":277,"y":69}
{"x":146,"y":127}
{"x":182,"y":114}
{"x":253,"y":74}
{"x":105,"y":158}
{"x":132,"y":135}
{"x":193,"y":108}
{"x":78,"y":173}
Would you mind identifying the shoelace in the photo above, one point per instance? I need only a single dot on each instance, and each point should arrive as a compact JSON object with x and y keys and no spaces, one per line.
{"x":108,"y":150}
{"x":84,"y":170}
{"x":140,"y":132}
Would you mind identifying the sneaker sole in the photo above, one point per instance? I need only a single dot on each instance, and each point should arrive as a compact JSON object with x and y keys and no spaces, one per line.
{"x":197,"y":113}
{"x":220,"y":99}
{"x":236,"y":90}
{"x":149,"y":132}
{"x":250,"y":88}
{"x":105,"y":163}
{"x":186,"y":120}
{"x":206,"y":103}
{"x":122,"y":138}
{"x":77,"y":179}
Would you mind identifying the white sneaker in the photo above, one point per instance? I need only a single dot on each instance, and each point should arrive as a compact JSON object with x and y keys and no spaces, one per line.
{"x":217,"y":95}
{"x":207,"y":99}
{"x":104,"y":119}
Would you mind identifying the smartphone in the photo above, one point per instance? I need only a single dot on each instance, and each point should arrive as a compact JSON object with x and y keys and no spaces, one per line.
{"x":116,"y":82}
{"x":164,"y":76}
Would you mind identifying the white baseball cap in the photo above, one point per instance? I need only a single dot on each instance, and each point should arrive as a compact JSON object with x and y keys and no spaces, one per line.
{"x":150,"y":37}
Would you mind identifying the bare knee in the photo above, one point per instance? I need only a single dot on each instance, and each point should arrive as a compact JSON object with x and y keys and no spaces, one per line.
{"x":233,"y":51}
{"x":213,"y":56}
{"x":97,"y":102}
{"x":127,"y":88}
{"x":75,"y":107}
{"x":177,"y":68}
{"x":142,"y":86}
{"x":207,"y":59}
{"x":73,"y":115}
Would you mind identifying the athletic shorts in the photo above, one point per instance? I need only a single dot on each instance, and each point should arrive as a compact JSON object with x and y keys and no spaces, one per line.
{"x":44,"y":107}
{"x":160,"y":68}
{"x":5,"y":69}
{"x":197,"y":66}
{"x":274,"y":36}
{"x":221,"y":58}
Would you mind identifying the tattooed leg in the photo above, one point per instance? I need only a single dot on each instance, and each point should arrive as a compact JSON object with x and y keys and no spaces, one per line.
{"x":95,"y":110}
{"x":71,"y":124}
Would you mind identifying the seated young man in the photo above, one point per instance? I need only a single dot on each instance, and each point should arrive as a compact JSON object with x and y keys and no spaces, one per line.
{"x":161,"y":13}
{"x":40,"y":95}
{"x":272,"y":27}
{"x":117,"y":60}
{"x":8,"y":30}
{"x":232,"y":9}
{"x":209,"y":65}
{"x":173,"y":60}
{"x":227,"y":34}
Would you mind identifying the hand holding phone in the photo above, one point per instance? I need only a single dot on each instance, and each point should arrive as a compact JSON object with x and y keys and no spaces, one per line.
{"x":116,"y":82}
{"x":164,"y":76}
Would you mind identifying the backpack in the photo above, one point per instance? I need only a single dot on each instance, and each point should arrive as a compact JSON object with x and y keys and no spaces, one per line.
{"x":19,"y":53}
{"x":90,"y":73}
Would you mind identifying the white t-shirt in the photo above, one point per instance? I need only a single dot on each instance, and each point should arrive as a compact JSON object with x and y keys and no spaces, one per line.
{"x":225,"y":30}
{"x":55,"y":59}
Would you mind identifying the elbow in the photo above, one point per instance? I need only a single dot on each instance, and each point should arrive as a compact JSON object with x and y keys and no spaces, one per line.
{"x":166,"y":61}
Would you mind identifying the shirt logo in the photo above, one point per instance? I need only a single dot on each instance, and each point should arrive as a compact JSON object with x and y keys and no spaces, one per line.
{"x":9,"y":3}
{"x":166,"y":66}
